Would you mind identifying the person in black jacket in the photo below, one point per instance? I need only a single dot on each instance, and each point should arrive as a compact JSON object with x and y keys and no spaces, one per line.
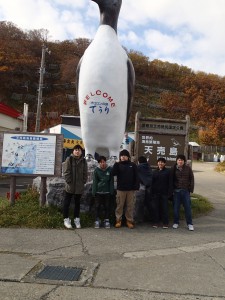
{"x":143,"y":196}
{"x":160,"y":192}
{"x":127,"y":184}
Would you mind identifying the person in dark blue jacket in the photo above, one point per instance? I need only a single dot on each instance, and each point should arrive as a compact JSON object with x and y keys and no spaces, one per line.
{"x":127,"y":184}
{"x":160,"y":192}
{"x":143,"y":196}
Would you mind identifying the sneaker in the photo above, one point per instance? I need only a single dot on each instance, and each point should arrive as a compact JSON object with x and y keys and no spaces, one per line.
{"x":106,"y":224}
{"x":97,"y":224}
{"x":67,"y":223}
{"x":175,"y":226}
{"x":77,"y":223}
{"x":154,"y":226}
{"x":165,"y":226}
{"x":190,"y":227}
{"x":130,"y":225}
{"x":118,"y":224}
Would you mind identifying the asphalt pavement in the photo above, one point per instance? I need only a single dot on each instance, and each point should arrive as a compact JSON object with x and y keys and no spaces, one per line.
{"x":139,"y":264}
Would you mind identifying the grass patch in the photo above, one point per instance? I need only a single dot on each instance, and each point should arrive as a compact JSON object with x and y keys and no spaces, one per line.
{"x":220,"y":167}
{"x":199,"y":204}
{"x":28,"y":214}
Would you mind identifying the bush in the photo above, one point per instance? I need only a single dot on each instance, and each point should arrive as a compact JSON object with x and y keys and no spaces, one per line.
{"x":220,"y":167}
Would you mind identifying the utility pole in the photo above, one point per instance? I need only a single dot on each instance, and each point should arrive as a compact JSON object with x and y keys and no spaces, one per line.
{"x":40,"y":87}
{"x":25,"y":116}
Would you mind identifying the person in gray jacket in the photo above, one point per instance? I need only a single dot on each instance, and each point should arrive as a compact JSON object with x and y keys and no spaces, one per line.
{"x":75,"y":173}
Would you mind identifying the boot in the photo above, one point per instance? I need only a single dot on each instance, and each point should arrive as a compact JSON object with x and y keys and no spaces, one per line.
{"x":130,"y":225}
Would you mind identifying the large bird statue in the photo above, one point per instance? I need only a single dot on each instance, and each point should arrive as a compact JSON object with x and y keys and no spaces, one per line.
{"x":105,"y":86}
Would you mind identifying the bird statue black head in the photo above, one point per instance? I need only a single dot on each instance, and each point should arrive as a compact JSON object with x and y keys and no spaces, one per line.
{"x":109,"y":12}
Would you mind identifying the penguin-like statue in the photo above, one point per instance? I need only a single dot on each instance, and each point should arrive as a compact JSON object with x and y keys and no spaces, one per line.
{"x":105,"y":86}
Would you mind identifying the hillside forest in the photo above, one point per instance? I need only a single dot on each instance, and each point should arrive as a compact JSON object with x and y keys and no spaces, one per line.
{"x":163,"y":89}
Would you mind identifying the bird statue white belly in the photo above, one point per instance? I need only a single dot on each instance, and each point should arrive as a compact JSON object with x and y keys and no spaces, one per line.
{"x":105,"y":85}
{"x":103,"y":94}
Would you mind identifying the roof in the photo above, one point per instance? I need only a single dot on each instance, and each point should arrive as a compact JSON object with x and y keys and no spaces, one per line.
{"x":9,"y":111}
{"x":194,"y":144}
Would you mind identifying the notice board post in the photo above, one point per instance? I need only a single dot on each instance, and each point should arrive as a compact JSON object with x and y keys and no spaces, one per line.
{"x":30,"y":154}
{"x":158,"y":137}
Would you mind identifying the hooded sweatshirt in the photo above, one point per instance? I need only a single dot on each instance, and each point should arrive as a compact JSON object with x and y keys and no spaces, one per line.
{"x":102,"y":181}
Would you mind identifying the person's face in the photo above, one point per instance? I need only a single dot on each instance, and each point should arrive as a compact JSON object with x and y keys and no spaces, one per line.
{"x":161,"y":165}
{"x":180,"y":162}
{"x":77,"y":152}
{"x":102,"y":164}
{"x":123,"y":157}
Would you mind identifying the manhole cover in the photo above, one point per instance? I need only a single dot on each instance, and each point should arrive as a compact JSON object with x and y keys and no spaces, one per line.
{"x":60,"y":273}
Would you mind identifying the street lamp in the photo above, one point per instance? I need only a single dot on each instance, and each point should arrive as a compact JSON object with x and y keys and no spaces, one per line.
{"x":40,"y":87}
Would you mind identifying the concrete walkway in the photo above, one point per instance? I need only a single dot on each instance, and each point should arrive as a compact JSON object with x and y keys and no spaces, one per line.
{"x":139,"y":264}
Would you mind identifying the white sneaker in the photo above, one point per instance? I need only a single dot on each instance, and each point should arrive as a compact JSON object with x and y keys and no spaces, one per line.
{"x":106,"y":224}
{"x":175,"y":226}
{"x":67,"y":223}
{"x":190,"y":227}
{"x":97,"y":224}
{"x":77,"y":223}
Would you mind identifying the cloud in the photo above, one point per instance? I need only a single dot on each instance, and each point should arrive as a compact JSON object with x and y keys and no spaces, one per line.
{"x":187,"y":32}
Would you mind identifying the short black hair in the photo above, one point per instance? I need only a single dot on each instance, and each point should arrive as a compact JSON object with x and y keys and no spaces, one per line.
{"x":142,"y":159}
{"x":101,"y":158}
{"x":181,"y":156}
{"x":77,"y":147}
{"x":161,"y":159}
{"x":125,"y":152}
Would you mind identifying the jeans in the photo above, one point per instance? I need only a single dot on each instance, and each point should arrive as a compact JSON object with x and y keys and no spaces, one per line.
{"x":182,"y":196}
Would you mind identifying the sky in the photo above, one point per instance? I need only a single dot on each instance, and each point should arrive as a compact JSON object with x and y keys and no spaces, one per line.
{"x":187,"y":32}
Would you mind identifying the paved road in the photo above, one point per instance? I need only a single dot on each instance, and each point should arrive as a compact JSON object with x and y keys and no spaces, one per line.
{"x":139,"y":264}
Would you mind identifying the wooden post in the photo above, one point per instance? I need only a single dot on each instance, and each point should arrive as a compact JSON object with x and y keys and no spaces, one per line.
{"x":43,"y":190}
{"x":12,"y":189}
{"x":136,"y":130}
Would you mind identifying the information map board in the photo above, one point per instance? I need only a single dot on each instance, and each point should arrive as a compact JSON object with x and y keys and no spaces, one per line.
{"x":31,"y":154}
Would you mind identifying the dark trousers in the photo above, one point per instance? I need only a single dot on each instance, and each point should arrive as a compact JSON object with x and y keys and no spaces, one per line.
{"x":148,"y":203}
{"x":66,"y":205}
{"x":102,"y":203}
{"x":160,"y":208}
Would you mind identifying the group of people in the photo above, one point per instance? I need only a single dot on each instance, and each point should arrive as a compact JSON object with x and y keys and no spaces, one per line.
{"x":160,"y":185}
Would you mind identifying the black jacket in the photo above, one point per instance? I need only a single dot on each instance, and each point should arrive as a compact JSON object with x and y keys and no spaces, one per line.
{"x":161,"y":181}
{"x":145,"y":174}
{"x":127,"y":176}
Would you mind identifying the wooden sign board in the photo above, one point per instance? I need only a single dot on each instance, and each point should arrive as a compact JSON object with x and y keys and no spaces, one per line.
{"x":161,"y":138}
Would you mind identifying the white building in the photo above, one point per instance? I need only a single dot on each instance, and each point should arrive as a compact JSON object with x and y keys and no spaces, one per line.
{"x":10,"y":119}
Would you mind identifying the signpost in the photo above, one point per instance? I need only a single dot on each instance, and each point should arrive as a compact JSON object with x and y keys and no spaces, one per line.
{"x":161,"y":138}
